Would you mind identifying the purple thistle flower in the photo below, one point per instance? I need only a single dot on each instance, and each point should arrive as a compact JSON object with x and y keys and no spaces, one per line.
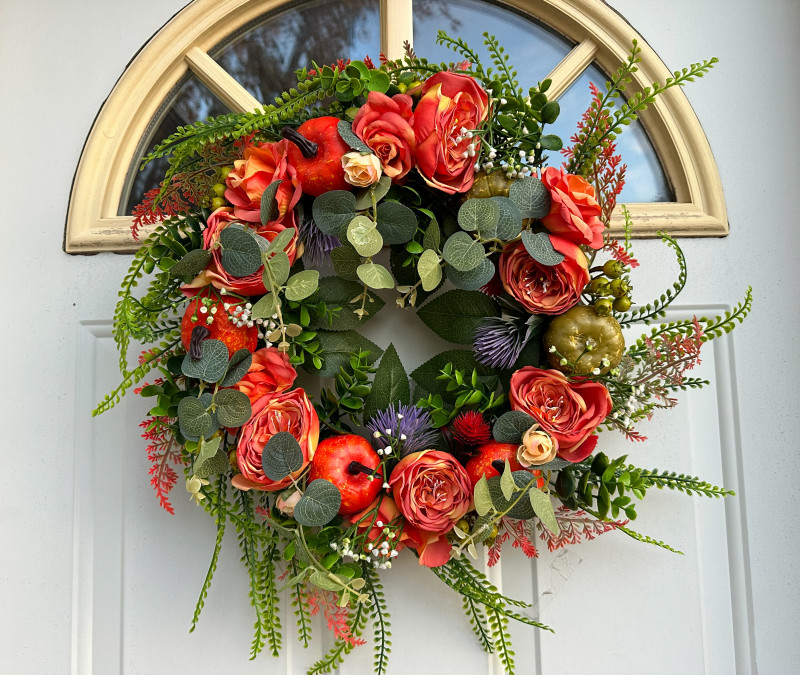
{"x":318,"y":245}
{"x":500,"y":340}
{"x":405,"y":427}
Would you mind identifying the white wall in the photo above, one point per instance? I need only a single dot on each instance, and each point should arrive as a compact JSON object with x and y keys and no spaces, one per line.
{"x":60,"y":60}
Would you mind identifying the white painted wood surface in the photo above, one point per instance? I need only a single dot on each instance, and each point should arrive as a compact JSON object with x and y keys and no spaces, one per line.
{"x":94,"y":577}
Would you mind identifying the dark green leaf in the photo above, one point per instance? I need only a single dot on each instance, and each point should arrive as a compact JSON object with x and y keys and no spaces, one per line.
{"x":239,"y":364}
{"x":282,"y":455}
{"x":551,"y":142}
{"x":219,"y":463}
{"x":211,"y":366}
{"x":346,"y":132}
{"x":269,"y":207}
{"x":474,"y":279}
{"x":193,"y":419}
{"x":455,"y":315}
{"x":462,"y":359}
{"x":396,"y":222}
{"x":191,"y":264}
{"x":531,"y":197}
{"x":522,"y":510}
{"x":345,"y":261}
{"x":463,"y":252}
{"x":337,"y":347}
{"x":233,"y":407}
{"x":241,"y":254}
{"x":510,"y":222}
{"x":336,"y":292}
{"x":510,"y":426}
{"x":550,"y":112}
{"x":540,"y":248}
{"x":389,"y":386}
{"x":479,"y":214}
{"x":319,"y":505}
{"x":364,"y":197}
{"x":433,"y":235}
{"x":332,"y":211}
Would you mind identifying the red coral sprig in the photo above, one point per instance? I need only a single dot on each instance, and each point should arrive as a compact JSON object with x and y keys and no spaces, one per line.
{"x":162,"y":451}
{"x":336,"y":616}
{"x":618,"y":252}
{"x":574,"y":527}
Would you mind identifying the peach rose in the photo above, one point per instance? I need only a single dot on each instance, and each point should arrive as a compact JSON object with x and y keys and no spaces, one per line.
{"x":215,"y":274}
{"x":537,"y":447}
{"x":544,"y":289}
{"x":289,"y":411}
{"x":570,"y":412}
{"x":269,"y":373}
{"x":574,"y":212}
{"x":361,"y":170}
{"x":450,"y":102}
{"x":384,"y":124}
{"x":261,"y":165}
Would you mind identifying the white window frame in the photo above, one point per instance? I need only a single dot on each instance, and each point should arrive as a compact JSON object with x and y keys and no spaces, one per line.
{"x":181,"y":46}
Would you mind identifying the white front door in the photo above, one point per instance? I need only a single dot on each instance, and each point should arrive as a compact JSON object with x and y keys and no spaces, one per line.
{"x":95,"y":577}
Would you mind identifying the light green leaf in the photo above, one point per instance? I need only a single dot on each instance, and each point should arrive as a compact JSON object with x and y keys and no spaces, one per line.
{"x":266,"y":307}
{"x":543,"y":508}
{"x":269,"y":208}
{"x":507,"y":484}
{"x":483,"y":500}
{"x":363,"y":235}
{"x":463,"y":252}
{"x":389,"y":386}
{"x":282,"y":455}
{"x":474,"y":279}
{"x":241,"y":255}
{"x":191,"y":264}
{"x":211,"y":366}
{"x":531,"y":197}
{"x":301,"y":285}
{"x":375,"y":276}
{"x":233,"y":407}
{"x":479,"y":214}
{"x":325,"y":582}
{"x":282,"y":240}
{"x":207,"y":450}
{"x":219,"y":463}
{"x":396,"y":222}
{"x":239,"y":364}
{"x":455,"y":315}
{"x":429,"y":270}
{"x":319,"y":505}
{"x":332,"y":211}
{"x":364,"y":196}
{"x":540,"y":248}
{"x":279,"y":267}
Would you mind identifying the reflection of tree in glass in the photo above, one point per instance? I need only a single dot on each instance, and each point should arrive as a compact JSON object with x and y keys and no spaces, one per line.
{"x":264,"y":58}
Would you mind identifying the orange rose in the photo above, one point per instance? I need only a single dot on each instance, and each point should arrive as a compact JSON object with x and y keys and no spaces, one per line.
{"x":269,"y":373}
{"x":450,"y":102}
{"x":289,"y":411}
{"x":570,"y":412}
{"x":215,"y":274}
{"x":544,"y":289}
{"x":384,"y":124}
{"x":261,"y":165}
{"x":574,"y":212}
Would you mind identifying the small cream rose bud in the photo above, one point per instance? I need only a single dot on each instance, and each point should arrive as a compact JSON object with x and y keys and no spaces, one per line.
{"x":537,"y":447}
{"x":287,"y":501}
{"x":361,"y":170}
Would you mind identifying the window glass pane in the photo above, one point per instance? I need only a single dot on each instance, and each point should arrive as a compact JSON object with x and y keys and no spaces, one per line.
{"x":534,"y":49}
{"x":263,"y":55}
{"x":645,"y":178}
{"x":188,"y":102}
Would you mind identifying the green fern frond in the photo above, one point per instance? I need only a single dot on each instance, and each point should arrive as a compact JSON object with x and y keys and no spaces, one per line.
{"x":220,"y":508}
{"x":477,"y":620}
{"x":638,"y":536}
{"x":380,"y":621}
{"x":341,"y":648}
{"x":301,"y":608}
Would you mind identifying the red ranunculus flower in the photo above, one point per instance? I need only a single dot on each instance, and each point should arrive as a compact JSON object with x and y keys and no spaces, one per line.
{"x":544,"y":289}
{"x":384,"y":124}
{"x":568,"y":411}
{"x":574,"y":212}
{"x":261,"y":165}
{"x":289,"y":411}
{"x":450,"y":102}
{"x":270,"y":373}
{"x":215,"y":274}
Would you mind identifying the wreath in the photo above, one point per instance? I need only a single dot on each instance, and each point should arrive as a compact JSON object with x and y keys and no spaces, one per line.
{"x":493,"y":442}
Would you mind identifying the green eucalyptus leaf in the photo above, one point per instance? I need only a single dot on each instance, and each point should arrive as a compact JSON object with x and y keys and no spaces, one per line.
{"x":282,"y":456}
{"x":396,"y":222}
{"x":266,"y":306}
{"x":510,"y":222}
{"x":191,"y":264}
{"x":483,"y":500}
{"x":390,"y":384}
{"x":510,"y":426}
{"x":479,"y":214}
{"x":207,"y":450}
{"x":282,"y":240}
{"x":217,"y":464}
{"x":239,"y":364}
{"x":363,"y":235}
{"x":241,"y":255}
{"x":375,"y":276}
{"x":463,"y":252}
{"x":433,"y":235}
{"x":522,"y":510}
{"x":507,"y":484}
{"x":319,"y":504}
{"x":531,"y":197}
{"x":279,"y":267}
{"x":345,"y":261}
{"x":429,"y":270}
{"x":379,"y":189}
{"x":301,"y":285}
{"x":193,"y":418}
{"x":232,"y":407}
{"x":473,"y":279}
{"x":269,"y":207}
{"x":455,"y":315}
{"x":543,"y":508}
{"x":211,"y":366}
{"x":332,"y":211}
{"x":540,"y":248}
{"x":326,"y":583}
{"x":345,"y":130}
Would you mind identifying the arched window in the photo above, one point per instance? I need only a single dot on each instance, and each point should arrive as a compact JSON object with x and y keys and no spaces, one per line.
{"x":214,"y":57}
